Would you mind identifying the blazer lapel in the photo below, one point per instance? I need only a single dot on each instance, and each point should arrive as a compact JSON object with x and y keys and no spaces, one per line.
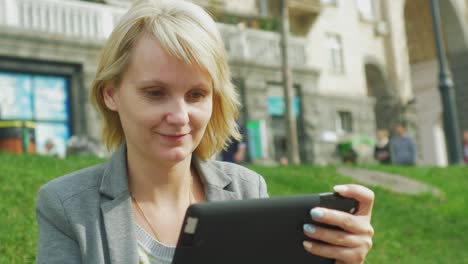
{"x":217,"y":184}
{"x":116,"y":208}
{"x":118,"y":223}
{"x":216,"y":194}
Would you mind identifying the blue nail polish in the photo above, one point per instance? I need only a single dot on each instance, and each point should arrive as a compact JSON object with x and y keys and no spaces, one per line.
{"x":316,"y":213}
{"x":309,"y":228}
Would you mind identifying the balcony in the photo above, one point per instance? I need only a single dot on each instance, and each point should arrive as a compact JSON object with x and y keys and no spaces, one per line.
{"x":242,"y":8}
{"x":64,"y":18}
{"x":261,"y":47}
{"x":91,"y":22}
{"x":302,"y":14}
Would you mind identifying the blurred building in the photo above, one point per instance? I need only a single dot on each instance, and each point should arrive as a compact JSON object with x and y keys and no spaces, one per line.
{"x":357,"y":65}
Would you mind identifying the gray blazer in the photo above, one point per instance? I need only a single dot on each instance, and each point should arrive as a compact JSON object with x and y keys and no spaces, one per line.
{"x":86,"y":216}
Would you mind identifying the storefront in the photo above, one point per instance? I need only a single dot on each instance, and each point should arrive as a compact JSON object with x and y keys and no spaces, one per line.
{"x":42,"y":102}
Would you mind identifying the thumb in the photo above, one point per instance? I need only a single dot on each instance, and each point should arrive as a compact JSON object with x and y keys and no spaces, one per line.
{"x":363,"y":195}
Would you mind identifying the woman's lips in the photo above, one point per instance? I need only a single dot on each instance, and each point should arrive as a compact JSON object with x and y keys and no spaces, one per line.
{"x":174,"y":137}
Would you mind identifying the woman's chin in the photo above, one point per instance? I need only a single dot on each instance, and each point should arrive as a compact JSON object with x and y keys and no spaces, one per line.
{"x":174,"y":156}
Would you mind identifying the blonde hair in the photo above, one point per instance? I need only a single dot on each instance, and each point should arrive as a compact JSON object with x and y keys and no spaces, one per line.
{"x":383,"y":132}
{"x":186,"y":32}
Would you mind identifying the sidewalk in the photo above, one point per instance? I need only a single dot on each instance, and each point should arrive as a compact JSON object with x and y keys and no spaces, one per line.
{"x":392,"y":182}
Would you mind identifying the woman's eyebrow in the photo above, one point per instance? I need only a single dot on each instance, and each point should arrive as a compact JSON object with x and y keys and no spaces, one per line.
{"x":154,"y":82}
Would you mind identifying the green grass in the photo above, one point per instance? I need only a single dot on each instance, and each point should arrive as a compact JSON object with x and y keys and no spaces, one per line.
{"x":409,"y":229}
{"x":20,"y":179}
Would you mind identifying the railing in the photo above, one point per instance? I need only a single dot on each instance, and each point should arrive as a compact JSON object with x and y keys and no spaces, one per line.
{"x":66,"y":18}
{"x":238,"y":7}
{"x":261,"y":47}
{"x":90,"y":21}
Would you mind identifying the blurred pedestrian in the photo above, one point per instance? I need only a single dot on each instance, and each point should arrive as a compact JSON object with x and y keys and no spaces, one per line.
{"x":402,"y":147}
{"x":50,"y":148}
{"x":465,"y":146}
{"x":235,"y":152}
{"x":382,"y":147}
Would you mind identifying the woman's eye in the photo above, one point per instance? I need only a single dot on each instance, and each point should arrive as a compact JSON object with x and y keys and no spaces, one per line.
{"x":194,"y":96}
{"x":154,"y":93}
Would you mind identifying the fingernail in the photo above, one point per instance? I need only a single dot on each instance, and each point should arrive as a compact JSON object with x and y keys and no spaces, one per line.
{"x":340,"y":188}
{"x":307,"y":244}
{"x":316,"y":213}
{"x":309,"y":228}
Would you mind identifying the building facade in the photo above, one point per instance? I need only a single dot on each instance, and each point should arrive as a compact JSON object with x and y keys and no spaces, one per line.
{"x":356,"y":67}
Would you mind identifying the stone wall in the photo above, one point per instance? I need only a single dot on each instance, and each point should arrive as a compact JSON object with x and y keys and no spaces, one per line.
{"x":321,"y":115}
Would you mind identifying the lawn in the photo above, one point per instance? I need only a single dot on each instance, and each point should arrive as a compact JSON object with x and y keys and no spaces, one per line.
{"x":409,"y":229}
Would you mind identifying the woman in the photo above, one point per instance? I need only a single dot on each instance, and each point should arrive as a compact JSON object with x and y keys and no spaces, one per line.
{"x":382,"y":147}
{"x":163,"y":88}
{"x":465,"y":146}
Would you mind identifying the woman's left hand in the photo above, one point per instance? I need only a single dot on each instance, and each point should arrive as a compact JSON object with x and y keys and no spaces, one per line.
{"x":350,"y":245}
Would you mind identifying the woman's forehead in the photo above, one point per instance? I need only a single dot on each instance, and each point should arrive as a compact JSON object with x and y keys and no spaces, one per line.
{"x":150,"y":62}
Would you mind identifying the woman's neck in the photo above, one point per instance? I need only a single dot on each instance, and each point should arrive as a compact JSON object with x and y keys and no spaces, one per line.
{"x":158,"y":182}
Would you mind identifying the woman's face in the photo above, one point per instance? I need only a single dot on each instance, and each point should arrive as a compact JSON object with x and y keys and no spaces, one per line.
{"x":164,"y":104}
{"x":381,"y":134}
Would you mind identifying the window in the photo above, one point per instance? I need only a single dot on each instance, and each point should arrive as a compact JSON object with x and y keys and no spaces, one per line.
{"x":345,"y":122}
{"x":41,"y":99}
{"x":366,"y":9}
{"x":335,"y":53}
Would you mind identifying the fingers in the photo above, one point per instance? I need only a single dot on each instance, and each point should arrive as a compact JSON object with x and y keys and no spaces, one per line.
{"x":334,"y":237}
{"x":346,"y":255}
{"x":351,"y":244}
{"x":363,"y":195}
{"x":348,"y":222}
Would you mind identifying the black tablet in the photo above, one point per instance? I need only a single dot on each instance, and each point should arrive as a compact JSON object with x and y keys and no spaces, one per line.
{"x":253,"y":231}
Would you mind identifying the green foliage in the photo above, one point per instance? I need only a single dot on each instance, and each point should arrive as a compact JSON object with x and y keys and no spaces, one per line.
{"x":270,"y":24}
{"x":409,"y":229}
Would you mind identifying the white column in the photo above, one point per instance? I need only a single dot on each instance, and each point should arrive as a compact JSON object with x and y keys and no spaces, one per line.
{"x":35,"y":14}
{"x":84,"y":19}
{"x":59,"y":20}
{"x":76,"y":22}
{"x":10,"y":15}
{"x":67,"y":25}
{"x":53,"y":19}
{"x":3,"y":12}
{"x":107,"y":24}
{"x":43,"y":17}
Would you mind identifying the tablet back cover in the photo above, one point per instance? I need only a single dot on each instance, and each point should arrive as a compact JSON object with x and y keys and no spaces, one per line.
{"x":248,"y":231}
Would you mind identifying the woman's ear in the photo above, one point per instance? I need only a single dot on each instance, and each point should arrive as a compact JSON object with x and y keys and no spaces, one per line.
{"x":110,"y":97}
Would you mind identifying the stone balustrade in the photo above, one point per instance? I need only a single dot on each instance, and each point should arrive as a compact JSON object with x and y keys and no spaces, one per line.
{"x":65,"y":18}
{"x":261,"y":47}
{"x":89,"y":21}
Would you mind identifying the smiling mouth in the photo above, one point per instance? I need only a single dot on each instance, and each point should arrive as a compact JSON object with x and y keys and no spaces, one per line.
{"x":173,"y":137}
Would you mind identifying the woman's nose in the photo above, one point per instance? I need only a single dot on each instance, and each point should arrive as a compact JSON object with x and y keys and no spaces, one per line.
{"x":178,"y":113}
